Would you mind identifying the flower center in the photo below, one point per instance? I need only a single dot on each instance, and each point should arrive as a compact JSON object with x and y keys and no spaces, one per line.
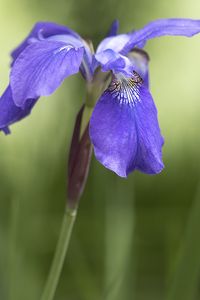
{"x":126,"y":90}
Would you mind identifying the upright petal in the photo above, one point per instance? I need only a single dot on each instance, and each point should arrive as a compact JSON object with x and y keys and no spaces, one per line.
{"x":124,"y":128}
{"x":113,"y":28}
{"x":9,"y":112}
{"x":111,"y":60}
{"x":115,"y":43}
{"x":136,"y":60}
{"x":41,"y":68}
{"x":185,"y":27}
{"x":46,"y":29}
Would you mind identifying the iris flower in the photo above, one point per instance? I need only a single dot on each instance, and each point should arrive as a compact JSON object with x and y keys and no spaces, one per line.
{"x":124,"y":128}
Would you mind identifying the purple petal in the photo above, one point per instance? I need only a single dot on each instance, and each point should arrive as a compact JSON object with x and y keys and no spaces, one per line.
{"x":113,"y":28}
{"x":111,"y":33}
{"x":67,"y":39}
{"x":86,"y":67}
{"x":185,"y":27}
{"x":150,"y":140}
{"x":46,"y":29}
{"x":10,"y":113}
{"x":124,"y":129}
{"x":115,"y":43}
{"x":110,"y":60}
{"x":6,"y":130}
{"x":137,"y":60}
{"x":41,"y":68}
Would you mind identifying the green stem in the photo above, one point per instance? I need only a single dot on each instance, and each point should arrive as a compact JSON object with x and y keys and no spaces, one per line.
{"x":185,"y":282}
{"x":59,"y":256}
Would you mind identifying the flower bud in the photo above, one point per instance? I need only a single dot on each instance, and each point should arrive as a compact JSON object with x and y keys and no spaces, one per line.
{"x":79,"y":161}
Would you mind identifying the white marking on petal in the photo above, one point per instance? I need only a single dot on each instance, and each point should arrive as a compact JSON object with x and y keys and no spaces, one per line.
{"x":126,"y":90}
{"x":67,"y":48}
{"x":40,"y":34}
{"x":39,"y":37}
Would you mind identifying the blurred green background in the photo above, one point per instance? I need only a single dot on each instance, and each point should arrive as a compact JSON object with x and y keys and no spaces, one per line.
{"x":130,"y":237}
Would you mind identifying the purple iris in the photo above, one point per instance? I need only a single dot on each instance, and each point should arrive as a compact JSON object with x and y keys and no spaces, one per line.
{"x":124,"y":128}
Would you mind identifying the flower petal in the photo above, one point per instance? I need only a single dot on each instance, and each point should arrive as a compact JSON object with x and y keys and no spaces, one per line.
{"x":46,"y":29}
{"x":9,"y":112}
{"x":150,"y":140}
{"x":124,"y":43}
{"x":124,"y":129}
{"x":86,"y":66}
{"x":6,"y":130}
{"x":185,"y":27}
{"x":111,"y":60}
{"x":115,"y":43}
{"x":41,"y":68}
{"x":67,"y":39}
{"x":113,"y":28}
{"x":137,"y":60}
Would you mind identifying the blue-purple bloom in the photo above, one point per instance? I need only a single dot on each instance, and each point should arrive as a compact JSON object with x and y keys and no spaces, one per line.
{"x":124,"y":128}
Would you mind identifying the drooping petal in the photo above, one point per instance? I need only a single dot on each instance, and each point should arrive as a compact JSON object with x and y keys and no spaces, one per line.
{"x":184,"y":27}
{"x":6,"y":130}
{"x":46,"y":29}
{"x":113,"y":28}
{"x":150,"y":140}
{"x":113,"y":134}
{"x":54,"y":32}
{"x":10,"y":113}
{"x":41,"y":68}
{"x":86,"y":66}
{"x":124,"y":129}
{"x":67,"y":39}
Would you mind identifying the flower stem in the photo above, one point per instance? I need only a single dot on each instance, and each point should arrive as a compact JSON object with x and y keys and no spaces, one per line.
{"x":60,"y":253}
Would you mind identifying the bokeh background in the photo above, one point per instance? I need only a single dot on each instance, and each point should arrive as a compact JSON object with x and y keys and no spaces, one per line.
{"x":133,"y":239}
